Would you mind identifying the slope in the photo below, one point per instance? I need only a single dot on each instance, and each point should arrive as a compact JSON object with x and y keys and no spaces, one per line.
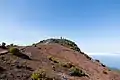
{"x":55,"y":60}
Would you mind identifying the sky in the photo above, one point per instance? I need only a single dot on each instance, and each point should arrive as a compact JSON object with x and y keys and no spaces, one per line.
{"x":93,"y":24}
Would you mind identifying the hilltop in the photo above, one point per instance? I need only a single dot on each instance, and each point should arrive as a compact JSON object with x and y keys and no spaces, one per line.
{"x":64,"y":42}
{"x":49,"y":60}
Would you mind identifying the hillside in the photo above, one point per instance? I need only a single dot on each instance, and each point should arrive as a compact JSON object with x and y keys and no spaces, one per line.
{"x":51,"y":61}
{"x":65,"y":42}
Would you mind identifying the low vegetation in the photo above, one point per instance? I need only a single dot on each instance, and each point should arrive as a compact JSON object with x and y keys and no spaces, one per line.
{"x":76,"y":72}
{"x":64,"y":42}
{"x":55,"y":60}
{"x":103,"y":65}
{"x":97,"y":60}
{"x":67,"y":64}
{"x":105,"y":72}
{"x":18,"y":64}
{"x":14,"y":51}
{"x":87,"y":57}
{"x":73,"y":71}
{"x":3,"y":45}
{"x":38,"y":75}
{"x":42,"y":74}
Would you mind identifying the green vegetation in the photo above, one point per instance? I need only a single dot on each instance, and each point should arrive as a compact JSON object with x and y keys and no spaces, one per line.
{"x":42,"y":74}
{"x":53,"y":59}
{"x":14,"y":50}
{"x":38,"y":75}
{"x":76,"y":72}
{"x":63,"y":64}
{"x":64,"y":42}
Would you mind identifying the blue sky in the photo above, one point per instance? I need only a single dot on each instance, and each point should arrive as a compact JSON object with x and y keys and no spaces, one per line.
{"x":93,"y":24}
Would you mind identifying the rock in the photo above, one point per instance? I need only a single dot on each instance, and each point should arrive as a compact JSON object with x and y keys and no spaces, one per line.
{"x":2,"y":76}
{"x":3,"y":52}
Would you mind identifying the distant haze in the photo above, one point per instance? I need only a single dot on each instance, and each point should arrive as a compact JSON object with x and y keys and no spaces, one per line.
{"x":111,"y":60}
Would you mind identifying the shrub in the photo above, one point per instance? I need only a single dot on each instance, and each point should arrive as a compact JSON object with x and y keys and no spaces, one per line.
{"x":87,"y":57}
{"x":34,"y":45}
{"x":53,"y":59}
{"x":3,"y":45}
{"x":97,"y":60}
{"x":105,"y":72}
{"x":103,"y":65}
{"x":35,"y":76}
{"x":76,"y":72}
{"x":50,"y":58}
{"x":14,"y":51}
{"x":42,"y":75}
{"x":38,"y":75}
{"x":67,"y":65}
{"x":11,"y":45}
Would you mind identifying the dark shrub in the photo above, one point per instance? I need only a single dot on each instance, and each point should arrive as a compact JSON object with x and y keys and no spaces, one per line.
{"x":53,"y":59}
{"x":97,"y":60}
{"x":3,"y":45}
{"x":34,"y":45}
{"x":76,"y":72}
{"x":103,"y":65}
{"x":11,"y":45}
{"x":105,"y":72}
{"x":67,"y":65}
{"x":88,"y":57}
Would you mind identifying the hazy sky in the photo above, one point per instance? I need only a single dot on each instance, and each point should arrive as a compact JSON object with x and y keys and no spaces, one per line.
{"x":93,"y":24}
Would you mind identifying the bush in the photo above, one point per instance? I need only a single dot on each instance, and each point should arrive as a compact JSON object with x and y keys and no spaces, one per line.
{"x":38,"y":75}
{"x":34,"y":45}
{"x":53,"y":59}
{"x":64,"y":42}
{"x":105,"y":72}
{"x":97,"y":60}
{"x":67,"y":65}
{"x":87,"y":57}
{"x":14,"y":51}
{"x":103,"y":65}
{"x":76,"y":72}
{"x":3,"y":45}
{"x":42,"y":75}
